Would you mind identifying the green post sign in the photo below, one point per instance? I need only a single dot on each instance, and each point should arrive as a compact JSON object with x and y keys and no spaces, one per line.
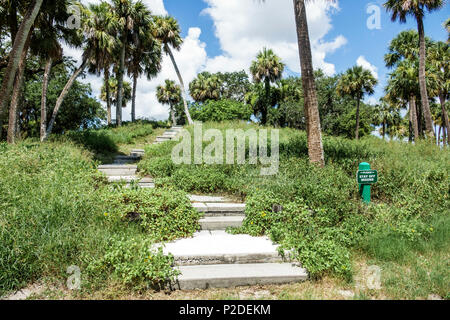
{"x":366,"y":177}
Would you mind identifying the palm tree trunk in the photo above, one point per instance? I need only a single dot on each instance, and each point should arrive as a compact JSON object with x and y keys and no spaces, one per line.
{"x":120,"y":74}
{"x":63,"y":94}
{"x":172,"y":113}
{"x":445,"y":116}
{"x":267,"y":103}
{"x":16,"y":52}
{"x":133,"y":104}
{"x":315,"y":146}
{"x":17,"y":88}
{"x":108,"y":96}
{"x":183,"y":90}
{"x":45,"y":81}
{"x":422,"y":78}
{"x":384,"y":129}
{"x":439,"y":136}
{"x":413,"y":117}
{"x":358,"y":106}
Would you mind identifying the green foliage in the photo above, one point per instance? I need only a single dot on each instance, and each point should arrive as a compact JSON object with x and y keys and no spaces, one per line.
{"x":222,"y":110}
{"x":135,"y":263}
{"x":56,"y":210}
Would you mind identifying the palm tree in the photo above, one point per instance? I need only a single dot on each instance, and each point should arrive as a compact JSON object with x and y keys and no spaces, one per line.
{"x":104,"y":57}
{"x":129,"y":15}
{"x":110,"y":91}
{"x":400,"y":10}
{"x":169,"y":94}
{"x":439,"y":59}
{"x":16,"y":54}
{"x":145,"y":58}
{"x":267,"y":68}
{"x":357,"y":82}
{"x":205,"y":87}
{"x":403,"y":85}
{"x":96,"y":39}
{"x":385,"y":114}
{"x":168,"y":32}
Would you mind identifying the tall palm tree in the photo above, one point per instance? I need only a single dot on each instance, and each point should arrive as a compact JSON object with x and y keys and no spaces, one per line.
{"x":168,"y":32}
{"x":357,"y":82}
{"x":385,"y":114}
{"x":103,"y":57}
{"x":169,"y":94}
{"x":400,"y":9}
{"x":16,"y":53}
{"x":402,"y":84}
{"x":439,"y":59}
{"x":267,"y":68}
{"x":205,"y":87}
{"x":96,"y":38}
{"x":145,"y":58}
{"x":129,"y":14}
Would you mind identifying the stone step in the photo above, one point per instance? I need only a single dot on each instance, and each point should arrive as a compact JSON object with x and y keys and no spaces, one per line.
{"x":162,"y":138}
{"x":234,"y":275}
{"x":221,"y":222}
{"x":143,"y":185}
{"x":219,"y":247}
{"x":118,"y":172}
{"x":129,"y":179}
{"x":115,"y":166}
{"x":218,"y":207}
{"x":208,"y":199}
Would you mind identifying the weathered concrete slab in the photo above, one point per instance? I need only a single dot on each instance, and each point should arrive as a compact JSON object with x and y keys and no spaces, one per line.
{"x":221,"y":223}
{"x":219,"y":247}
{"x":225,"y":207}
{"x":129,"y":179}
{"x":115,"y":166}
{"x":234,"y":275}
{"x":209,"y":199}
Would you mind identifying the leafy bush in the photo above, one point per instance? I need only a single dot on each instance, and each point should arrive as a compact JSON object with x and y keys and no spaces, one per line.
{"x":135,"y":263}
{"x":222,"y":110}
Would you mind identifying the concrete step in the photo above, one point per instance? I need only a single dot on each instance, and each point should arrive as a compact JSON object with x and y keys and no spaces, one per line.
{"x":118,"y":172}
{"x":116,"y":166}
{"x":221,"y":222}
{"x":234,"y":275}
{"x":143,"y":185}
{"x":163,"y":139}
{"x":220,"y":207}
{"x":129,"y":179}
{"x":219,"y":247}
{"x":208,"y":199}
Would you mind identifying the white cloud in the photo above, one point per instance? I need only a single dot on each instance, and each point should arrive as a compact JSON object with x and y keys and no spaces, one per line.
{"x":244,"y":27}
{"x":362,"y":62}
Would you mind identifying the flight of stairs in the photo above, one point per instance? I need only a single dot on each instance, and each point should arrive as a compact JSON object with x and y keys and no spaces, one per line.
{"x":215,"y":259}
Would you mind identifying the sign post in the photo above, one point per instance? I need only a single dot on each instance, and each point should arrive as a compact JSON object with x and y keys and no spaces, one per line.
{"x":366,"y":177}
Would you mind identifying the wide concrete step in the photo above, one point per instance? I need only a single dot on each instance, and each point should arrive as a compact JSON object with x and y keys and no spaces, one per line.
{"x":220,"y":208}
{"x":221,"y":222}
{"x":116,"y":166}
{"x":129,"y":179}
{"x":234,"y":275}
{"x":118,"y":172}
{"x":219,"y":247}
{"x":207,"y":199}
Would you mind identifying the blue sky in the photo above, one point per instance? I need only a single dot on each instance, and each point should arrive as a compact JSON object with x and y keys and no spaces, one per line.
{"x":226,"y":35}
{"x":350,"y":20}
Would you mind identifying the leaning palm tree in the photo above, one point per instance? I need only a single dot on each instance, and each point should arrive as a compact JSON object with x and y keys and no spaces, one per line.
{"x":169,"y":94}
{"x":205,"y":87}
{"x":168,"y":32}
{"x":16,"y":53}
{"x":97,"y":38}
{"x":357,"y":82}
{"x":267,"y":68}
{"x":400,"y":9}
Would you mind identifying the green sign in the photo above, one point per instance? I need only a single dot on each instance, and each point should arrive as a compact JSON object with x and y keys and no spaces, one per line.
{"x":367,"y":176}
